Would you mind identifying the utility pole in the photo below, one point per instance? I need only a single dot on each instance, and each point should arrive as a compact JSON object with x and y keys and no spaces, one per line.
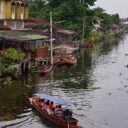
{"x":51,"y":40}
{"x":83,"y":31}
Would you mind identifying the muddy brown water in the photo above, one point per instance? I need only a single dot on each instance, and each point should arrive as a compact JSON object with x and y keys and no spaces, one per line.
{"x":98,"y":84}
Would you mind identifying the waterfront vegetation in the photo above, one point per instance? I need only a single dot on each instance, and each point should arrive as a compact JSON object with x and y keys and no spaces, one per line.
{"x":10,"y":64}
{"x":109,"y":38}
{"x":93,"y":36}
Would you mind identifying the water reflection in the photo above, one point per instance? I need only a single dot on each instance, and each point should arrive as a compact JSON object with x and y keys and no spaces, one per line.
{"x":96,"y":67}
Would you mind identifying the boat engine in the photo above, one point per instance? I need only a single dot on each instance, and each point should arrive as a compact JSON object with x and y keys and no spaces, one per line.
{"x":67,"y":114}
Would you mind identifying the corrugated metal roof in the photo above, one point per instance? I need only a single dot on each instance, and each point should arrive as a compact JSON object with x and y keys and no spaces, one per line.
{"x":34,"y":37}
{"x":21,"y":35}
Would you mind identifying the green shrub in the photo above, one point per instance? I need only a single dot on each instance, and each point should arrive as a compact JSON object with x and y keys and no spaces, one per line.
{"x":12,"y":55}
{"x":7,"y":81}
{"x":93,"y":36}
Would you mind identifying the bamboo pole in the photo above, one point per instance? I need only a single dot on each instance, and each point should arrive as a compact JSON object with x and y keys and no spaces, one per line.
{"x":51,"y":40}
{"x":83,"y":33}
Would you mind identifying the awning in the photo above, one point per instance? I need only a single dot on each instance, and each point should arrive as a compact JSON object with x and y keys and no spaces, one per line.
{"x":56,"y":100}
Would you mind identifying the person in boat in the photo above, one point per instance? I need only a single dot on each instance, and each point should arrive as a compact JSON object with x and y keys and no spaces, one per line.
{"x":46,"y":107}
{"x":45,"y":66}
{"x":42,"y":103}
{"x":38,"y":100}
{"x":59,"y":111}
{"x":52,"y":105}
{"x":67,"y":114}
{"x":53,"y":112}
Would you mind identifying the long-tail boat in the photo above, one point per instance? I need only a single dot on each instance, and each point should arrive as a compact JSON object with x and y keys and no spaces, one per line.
{"x":71,"y":60}
{"x":46,"y":69}
{"x":67,"y":59}
{"x":60,"y":61}
{"x":64,"y":122}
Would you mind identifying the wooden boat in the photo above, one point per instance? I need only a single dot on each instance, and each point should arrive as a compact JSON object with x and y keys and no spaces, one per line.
{"x":71,"y":60}
{"x":60,"y":61}
{"x":71,"y":123}
{"x":89,"y":44}
{"x":46,"y":69}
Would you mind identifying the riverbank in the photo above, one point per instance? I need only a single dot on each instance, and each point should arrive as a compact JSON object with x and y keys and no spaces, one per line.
{"x":32,"y":62}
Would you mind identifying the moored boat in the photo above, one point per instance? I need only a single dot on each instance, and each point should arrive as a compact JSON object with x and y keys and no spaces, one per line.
{"x":71,"y":60}
{"x":67,"y":59}
{"x":60,"y":61}
{"x":69,"y":122}
{"x":46,"y":69}
{"x":89,"y":44}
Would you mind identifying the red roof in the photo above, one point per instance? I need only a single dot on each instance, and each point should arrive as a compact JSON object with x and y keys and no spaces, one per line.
{"x":28,"y":24}
{"x":37,"y":21}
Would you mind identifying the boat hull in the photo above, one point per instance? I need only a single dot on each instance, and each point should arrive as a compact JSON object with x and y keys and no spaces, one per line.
{"x":71,"y":62}
{"x":46,"y":69}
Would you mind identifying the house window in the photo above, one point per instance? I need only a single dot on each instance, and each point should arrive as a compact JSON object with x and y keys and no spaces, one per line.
{"x":21,"y":10}
{"x":13,"y":9}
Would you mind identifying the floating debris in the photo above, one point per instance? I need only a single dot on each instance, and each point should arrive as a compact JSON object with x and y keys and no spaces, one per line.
{"x":120,"y":89}
{"x":126,"y":54}
{"x":125,"y":86}
{"x":94,"y":88}
{"x":109,"y":93}
{"x":120,"y":73}
{"x":126,"y":66}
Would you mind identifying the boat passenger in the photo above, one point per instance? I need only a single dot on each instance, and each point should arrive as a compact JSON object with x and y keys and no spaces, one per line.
{"x":46,"y":101}
{"x":59,"y":111}
{"x":46,"y":107}
{"x":67,"y":114}
{"x":38,"y":100}
{"x":42,"y":103}
{"x":52,"y":105}
{"x":53,"y":112}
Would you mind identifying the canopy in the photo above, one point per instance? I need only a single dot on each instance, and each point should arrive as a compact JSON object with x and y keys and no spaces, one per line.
{"x":56,"y":100}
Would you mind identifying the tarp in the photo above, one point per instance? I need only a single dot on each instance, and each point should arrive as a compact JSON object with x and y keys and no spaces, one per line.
{"x":56,"y":100}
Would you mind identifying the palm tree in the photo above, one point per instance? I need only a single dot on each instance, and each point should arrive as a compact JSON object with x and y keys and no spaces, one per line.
{"x":36,"y":7}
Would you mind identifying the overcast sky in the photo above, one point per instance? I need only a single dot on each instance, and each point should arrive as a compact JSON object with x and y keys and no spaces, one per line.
{"x":114,"y":6}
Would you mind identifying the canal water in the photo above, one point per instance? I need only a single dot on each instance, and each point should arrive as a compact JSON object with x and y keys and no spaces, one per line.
{"x":98,"y":84}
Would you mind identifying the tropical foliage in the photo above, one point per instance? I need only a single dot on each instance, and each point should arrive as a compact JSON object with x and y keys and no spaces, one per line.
{"x":12,"y":55}
{"x":10,"y":60}
{"x":70,"y":14}
{"x":108,"y":20}
{"x":93,"y":36}
{"x":36,"y":7}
